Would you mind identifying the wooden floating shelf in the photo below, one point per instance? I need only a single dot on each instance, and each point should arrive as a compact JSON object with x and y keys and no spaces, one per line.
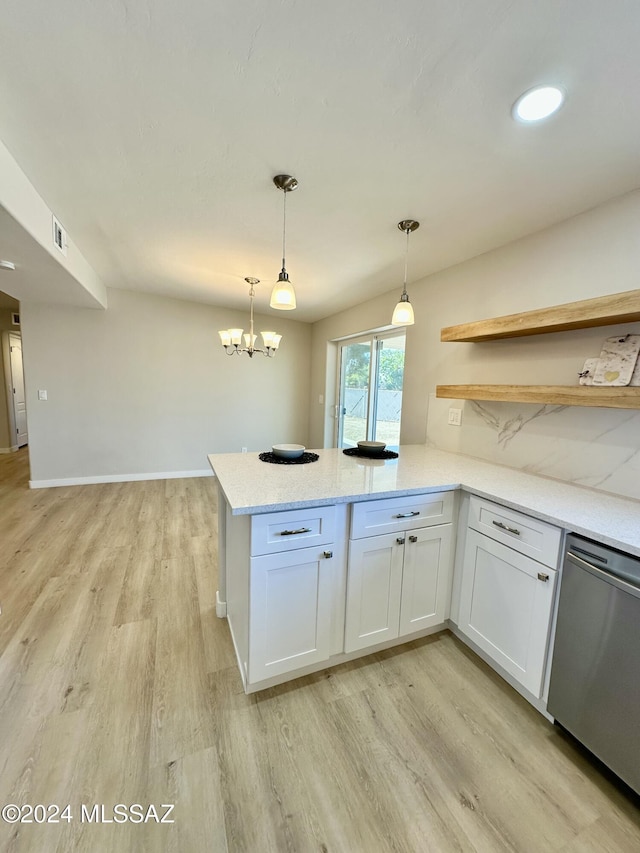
{"x":612,"y":397}
{"x":589,"y":313}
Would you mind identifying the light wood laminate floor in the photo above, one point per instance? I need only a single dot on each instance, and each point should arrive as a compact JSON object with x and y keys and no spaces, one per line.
{"x":118,"y":684}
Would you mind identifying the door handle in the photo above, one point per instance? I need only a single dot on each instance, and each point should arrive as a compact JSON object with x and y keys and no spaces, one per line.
{"x":295,"y":532}
{"x":504,"y":527}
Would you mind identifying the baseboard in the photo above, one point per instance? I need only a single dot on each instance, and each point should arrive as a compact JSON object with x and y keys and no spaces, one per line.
{"x":118,"y":478}
{"x":9,"y":449}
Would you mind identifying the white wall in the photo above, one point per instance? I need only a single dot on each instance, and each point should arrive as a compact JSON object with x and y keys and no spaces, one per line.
{"x":145,"y":388}
{"x":22,"y":202}
{"x":589,"y":255}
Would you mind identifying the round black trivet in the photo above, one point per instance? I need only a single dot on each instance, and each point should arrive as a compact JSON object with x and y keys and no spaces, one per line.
{"x":384,"y":454}
{"x":268,"y":456}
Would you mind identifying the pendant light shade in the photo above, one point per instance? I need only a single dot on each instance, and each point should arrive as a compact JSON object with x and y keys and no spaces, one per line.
{"x":403,"y":312}
{"x":283,"y":296}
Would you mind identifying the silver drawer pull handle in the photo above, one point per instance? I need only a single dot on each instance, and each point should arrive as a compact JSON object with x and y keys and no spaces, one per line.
{"x":400,"y":540}
{"x":543,"y":577}
{"x":327,"y":554}
{"x":295,"y":532}
{"x":504,"y":527}
{"x":407,"y":514}
{"x":413,"y":539}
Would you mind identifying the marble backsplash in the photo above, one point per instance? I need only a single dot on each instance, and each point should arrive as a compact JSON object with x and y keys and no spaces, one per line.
{"x":594,"y":447}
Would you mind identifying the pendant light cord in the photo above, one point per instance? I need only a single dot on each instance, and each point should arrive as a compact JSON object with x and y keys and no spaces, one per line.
{"x":284,"y":227}
{"x":406,"y":262}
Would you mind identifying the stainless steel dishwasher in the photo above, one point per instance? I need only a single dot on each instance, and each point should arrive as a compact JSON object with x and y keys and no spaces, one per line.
{"x":594,"y":691}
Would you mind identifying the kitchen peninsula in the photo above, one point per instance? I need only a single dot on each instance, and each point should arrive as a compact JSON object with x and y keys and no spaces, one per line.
{"x":320,"y":563}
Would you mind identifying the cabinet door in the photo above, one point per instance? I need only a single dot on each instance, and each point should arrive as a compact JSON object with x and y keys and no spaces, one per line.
{"x":426,"y":579}
{"x":290,"y":611}
{"x":505,"y":607}
{"x":373,"y":590}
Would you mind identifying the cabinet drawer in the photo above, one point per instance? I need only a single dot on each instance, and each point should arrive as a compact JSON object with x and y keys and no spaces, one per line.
{"x":285,"y":531}
{"x":372,"y":518}
{"x":527,"y":535}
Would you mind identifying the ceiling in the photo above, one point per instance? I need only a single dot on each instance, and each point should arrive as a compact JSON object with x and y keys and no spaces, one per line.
{"x":153,"y":131}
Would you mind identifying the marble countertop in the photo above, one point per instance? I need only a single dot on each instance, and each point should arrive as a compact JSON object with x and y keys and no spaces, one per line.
{"x":252,"y":486}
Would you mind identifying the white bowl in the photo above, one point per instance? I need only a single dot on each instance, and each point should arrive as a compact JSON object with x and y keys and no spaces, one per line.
{"x":371,"y":448}
{"x":288,"y":451}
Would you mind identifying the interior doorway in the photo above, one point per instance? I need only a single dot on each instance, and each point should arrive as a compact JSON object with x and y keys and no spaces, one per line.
{"x":370,"y":381}
{"x":18,"y":396}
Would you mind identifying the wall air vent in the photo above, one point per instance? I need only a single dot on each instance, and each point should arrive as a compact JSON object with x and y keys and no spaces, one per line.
{"x":59,"y":237}
{"x":15,"y":319}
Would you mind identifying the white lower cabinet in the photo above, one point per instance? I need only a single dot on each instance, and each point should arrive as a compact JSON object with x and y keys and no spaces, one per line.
{"x":397,"y":584}
{"x":506,"y":604}
{"x":290,"y":611}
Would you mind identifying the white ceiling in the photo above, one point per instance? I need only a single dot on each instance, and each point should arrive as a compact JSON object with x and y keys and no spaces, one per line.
{"x":153,"y":131}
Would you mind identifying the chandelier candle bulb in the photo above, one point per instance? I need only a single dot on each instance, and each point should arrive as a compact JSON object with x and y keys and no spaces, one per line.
{"x":236,"y":336}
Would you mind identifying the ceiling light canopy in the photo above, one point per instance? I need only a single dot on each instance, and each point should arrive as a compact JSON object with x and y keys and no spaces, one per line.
{"x":538,"y":103}
{"x":403,"y":312}
{"x":283,"y":296}
{"x":232,"y":338}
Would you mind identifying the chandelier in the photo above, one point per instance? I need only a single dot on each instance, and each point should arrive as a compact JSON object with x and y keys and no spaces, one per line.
{"x":232,"y":338}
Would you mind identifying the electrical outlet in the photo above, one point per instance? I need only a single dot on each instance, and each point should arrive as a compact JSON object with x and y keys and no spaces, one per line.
{"x":42,"y":394}
{"x":455,"y":417}
{"x":320,"y":399}
{"x":244,"y":449}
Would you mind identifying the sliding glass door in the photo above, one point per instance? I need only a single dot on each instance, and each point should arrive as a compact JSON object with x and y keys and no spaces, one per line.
{"x":370,"y":381}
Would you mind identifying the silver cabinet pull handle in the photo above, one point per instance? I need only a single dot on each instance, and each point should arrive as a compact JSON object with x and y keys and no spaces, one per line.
{"x":407,"y":514}
{"x":327,"y":554}
{"x":413,"y":539}
{"x":504,"y":527}
{"x":400,"y":540}
{"x":295,"y":532}
{"x":543,"y":577}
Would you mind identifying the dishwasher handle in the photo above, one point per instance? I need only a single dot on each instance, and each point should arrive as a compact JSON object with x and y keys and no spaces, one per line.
{"x":613,"y":579}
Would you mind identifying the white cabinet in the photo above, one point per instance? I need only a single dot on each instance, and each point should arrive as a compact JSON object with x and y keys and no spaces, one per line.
{"x":285,"y":587}
{"x":290,"y":611}
{"x":506,"y":597}
{"x":398,"y":584}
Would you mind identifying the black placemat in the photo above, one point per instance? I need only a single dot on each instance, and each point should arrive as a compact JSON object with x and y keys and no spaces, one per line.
{"x":385,"y":454}
{"x":268,"y":456}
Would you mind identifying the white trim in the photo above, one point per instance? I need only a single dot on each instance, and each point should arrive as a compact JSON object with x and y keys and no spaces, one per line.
{"x":11,"y":449}
{"x":118,"y":478}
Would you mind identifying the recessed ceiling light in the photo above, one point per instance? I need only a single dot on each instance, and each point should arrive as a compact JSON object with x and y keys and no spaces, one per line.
{"x":7,"y":265}
{"x":538,"y":103}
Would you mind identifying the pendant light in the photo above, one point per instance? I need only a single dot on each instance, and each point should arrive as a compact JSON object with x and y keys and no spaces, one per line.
{"x":283,"y":296}
{"x":232,"y":338}
{"x":403,"y":312}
